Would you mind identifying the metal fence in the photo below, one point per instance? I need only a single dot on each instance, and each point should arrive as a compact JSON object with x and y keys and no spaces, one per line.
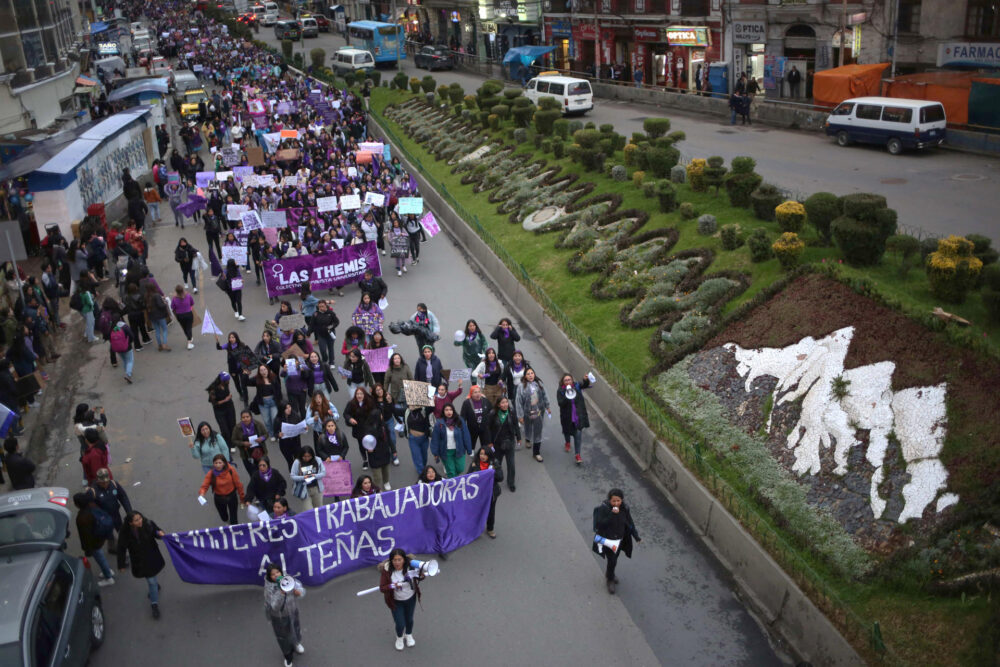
{"x":859,"y":632}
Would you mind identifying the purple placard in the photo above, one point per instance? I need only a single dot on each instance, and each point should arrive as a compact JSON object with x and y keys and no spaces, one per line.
{"x":335,"y":268}
{"x":318,"y":545}
{"x":204,"y":178}
{"x":240,"y":172}
{"x":378,"y":359}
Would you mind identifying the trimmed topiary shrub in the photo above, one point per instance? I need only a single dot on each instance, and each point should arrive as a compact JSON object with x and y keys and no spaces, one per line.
{"x":400,"y":80}
{"x":715,"y":172}
{"x":629,"y":151}
{"x":991,"y":291}
{"x":649,"y":189}
{"x":546,"y":145}
{"x":575,"y":126}
{"x":619,"y":173}
{"x":545,"y":119}
{"x":953,"y":269}
{"x":349,"y":79}
{"x":415,"y":85}
{"x":821,"y":209}
{"x":606,"y":128}
{"x":470,"y":102}
{"x":764,"y":200}
{"x":667,"y":195}
{"x":740,"y":185}
{"x":678,"y":174}
{"x":637,"y":178}
{"x":561,"y":127}
{"x":484,"y":119}
{"x":455,"y":93}
{"x":982,"y":250}
{"x":559,"y":149}
{"x":521,"y":102}
{"x":656,"y":127}
{"x":791,"y":216}
{"x":494,"y":121}
{"x":286,"y":48}
{"x":511,"y":93}
{"x":696,"y":174}
{"x":443,"y":93}
{"x":520,"y":135}
{"x":742,"y":165}
{"x":661,"y":160}
{"x":788,"y":248}
{"x":639,"y":137}
{"x":907,"y":247}
{"x":522,"y":114}
{"x":687,"y":211}
{"x":375,"y":76}
{"x":759,"y":245}
{"x":730,"y":235}
{"x":707,"y":225}
{"x":587,"y":138}
{"x":318,"y":58}
{"x":677,"y":135}
{"x":590,"y":125}
{"x":861,"y":234}
{"x":501,"y":110}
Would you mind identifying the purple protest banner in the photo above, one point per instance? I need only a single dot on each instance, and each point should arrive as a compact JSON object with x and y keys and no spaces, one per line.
{"x":323,"y":271}
{"x":204,"y":178}
{"x":318,"y":545}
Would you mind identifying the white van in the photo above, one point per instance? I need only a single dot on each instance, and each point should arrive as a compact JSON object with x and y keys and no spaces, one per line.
{"x":574,"y":95}
{"x":184,"y":80}
{"x":888,"y":121}
{"x":352,"y":60}
{"x":270,"y":13}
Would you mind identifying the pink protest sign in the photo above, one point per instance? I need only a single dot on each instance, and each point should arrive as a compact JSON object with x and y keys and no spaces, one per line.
{"x":338,"y":480}
{"x":430,"y":225}
{"x":378,"y":359}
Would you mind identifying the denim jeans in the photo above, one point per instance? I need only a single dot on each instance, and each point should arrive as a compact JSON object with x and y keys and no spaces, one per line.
{"x":88,"y":326}
{"x":403,"y":615}
{"x":269,"y":412}
{"x":418,"y":450}
{"x":154,"y":210}
{"x":128,"y":358}
{"x":576,"y":436}
{"x":154,"y":590}
{"x":160,"y":329}
{"x":102,"y":561}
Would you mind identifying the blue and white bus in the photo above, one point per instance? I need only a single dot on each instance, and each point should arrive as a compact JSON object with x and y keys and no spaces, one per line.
{"x":383,"y":40}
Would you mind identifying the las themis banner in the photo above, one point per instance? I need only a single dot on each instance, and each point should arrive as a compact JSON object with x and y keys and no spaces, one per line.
{"x":322,"y":271}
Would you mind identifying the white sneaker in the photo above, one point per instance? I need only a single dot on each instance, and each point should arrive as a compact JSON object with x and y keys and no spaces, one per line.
{"x":404,"y":269}
{"x":299,"y":648}
{"x":398,"y":272}
{"x":386,"y":487}
{"x":399,"y":643}
{"x":410,"y":641}
{"x":241,"y":318}
{"x":288,"y":663}
{"x":186,"y":286}
{"x":195,"y":290}
{"x":190,"y":346}
{"x":383,"y":253}
{"x":236,"y":315}
{"x":109,"y":581}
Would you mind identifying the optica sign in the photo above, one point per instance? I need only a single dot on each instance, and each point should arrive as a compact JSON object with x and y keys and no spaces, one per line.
{"x":687,"y":36}
{"x":749,"y":32}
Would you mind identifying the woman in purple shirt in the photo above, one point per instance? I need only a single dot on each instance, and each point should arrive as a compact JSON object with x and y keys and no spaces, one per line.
{"x":183,"y":304}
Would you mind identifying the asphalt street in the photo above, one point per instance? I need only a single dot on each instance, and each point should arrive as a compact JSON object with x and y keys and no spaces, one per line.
{"x":936,"y":192}
{"x":535,"y":594}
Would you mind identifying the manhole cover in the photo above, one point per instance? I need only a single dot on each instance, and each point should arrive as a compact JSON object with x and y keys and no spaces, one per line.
{"x":727,"y":131}
{"x":892,"y":181}
{"x":968,"y":177}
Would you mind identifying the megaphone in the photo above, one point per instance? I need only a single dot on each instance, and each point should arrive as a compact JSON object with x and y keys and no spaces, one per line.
{"x":427,"y":568}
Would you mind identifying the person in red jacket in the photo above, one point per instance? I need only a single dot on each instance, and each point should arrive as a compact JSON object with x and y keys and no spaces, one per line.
{"x":227,"y":487}
{"x":401,"y":593}
{"x":96,"y":456}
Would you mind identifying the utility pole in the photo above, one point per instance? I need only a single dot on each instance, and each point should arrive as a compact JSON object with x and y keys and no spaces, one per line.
{"x":395,"y":24}
{"x":843,"y":29}
{"x":895,"y":34}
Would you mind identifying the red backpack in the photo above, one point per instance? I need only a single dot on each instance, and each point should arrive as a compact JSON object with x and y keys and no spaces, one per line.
{"x":119,"y":340}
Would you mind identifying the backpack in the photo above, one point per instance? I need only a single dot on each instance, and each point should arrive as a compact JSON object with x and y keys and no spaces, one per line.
{"x":119,"y":340}
{"x":104,"y":525}
{"x":76,"y":301}
{"x":104,"y":323}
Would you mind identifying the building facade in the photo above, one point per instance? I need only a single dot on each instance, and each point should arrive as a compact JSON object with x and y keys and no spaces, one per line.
{"x":38,"y":62}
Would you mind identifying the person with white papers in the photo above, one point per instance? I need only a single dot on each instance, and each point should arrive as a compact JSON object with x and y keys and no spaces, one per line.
{"x":614,"y":531}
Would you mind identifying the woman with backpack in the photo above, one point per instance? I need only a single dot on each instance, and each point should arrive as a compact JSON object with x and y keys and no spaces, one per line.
{"x":135,"y":313}
{"x":159,"y":314}
{"x":226,"y":487}
{"x":120,"y":339}
{"x":94,"y":526}
{"x":185,"y":254}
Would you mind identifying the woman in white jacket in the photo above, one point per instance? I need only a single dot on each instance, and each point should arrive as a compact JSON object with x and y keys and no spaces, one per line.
{"x":308,"y":472}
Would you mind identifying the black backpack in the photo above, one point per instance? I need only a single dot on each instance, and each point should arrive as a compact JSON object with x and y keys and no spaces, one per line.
{"x":76,"y":301}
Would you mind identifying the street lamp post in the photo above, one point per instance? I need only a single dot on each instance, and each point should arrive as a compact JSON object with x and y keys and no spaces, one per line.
{"x":395,"y":24}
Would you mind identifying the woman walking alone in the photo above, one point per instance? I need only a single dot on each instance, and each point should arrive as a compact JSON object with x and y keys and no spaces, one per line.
{"x":137,"y":544}
{"x":572,"y":411}
{"x":401,"y":593}
{"x":531,"y":403}
{"x":185,"y":254}
{"x":226,"y":487}
{"x":613,"y":521}
{"x":282,"y":610}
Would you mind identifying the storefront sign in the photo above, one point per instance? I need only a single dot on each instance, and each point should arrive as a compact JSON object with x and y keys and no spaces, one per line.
{"x":107,"y":48}
{"x":583,"y":31}
{"x":749,"y":32}
{"x":968,"y":54}
{"x":647,"y":35}
{"x":561,"y":29}
{"x":687,"y":36}
{"x":856,"y":42}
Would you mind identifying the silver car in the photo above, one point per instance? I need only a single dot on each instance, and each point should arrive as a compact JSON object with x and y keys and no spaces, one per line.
{"x":51,"y":613}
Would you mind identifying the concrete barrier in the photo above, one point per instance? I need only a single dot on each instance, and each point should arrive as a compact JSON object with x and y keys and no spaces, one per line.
{"x":769,"y":592}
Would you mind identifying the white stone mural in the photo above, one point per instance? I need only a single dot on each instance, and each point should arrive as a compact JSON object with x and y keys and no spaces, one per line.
{"x":916,"y":416}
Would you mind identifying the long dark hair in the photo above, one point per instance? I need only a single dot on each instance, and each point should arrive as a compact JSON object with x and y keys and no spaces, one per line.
{"x":211,"y":432}
{"x":398,"y":552}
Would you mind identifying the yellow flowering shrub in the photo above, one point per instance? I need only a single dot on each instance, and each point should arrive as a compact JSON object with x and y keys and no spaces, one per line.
{"x":696,"y":174}
{"x":630,"y":150}
{"x":953,"y":270}
{"x":791,"y":216}
{"x":637,"y":177}
{"x":787,"y":249}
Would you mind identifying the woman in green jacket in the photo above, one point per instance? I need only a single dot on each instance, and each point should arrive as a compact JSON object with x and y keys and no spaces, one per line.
{"x":473,"y":344}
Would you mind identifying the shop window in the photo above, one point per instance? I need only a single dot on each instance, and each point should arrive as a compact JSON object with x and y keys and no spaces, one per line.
{"x":909,"y":16}
{"x":982,"y":18}
{"x":695,"y":8}
{"x":639,"y":6}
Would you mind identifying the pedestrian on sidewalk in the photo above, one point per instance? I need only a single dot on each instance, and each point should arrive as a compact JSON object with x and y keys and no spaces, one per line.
{"x":159,"y":312}
{"x":401,"y":592}
{"x":282,"y":610}
{"x":504,"y":438}
{"x":185,"y":255}
{"x":205,"y":444}
{"x":135,"y":312}
{"x":182,"y":305}
{"x":110,"y":496}
{"x":734,"y":106}
{"x":152,"y":198}
{"x":96,"y":456}
{"x":137,"y":544}
{"x":484,"y":460}
{"x":20,"y":468}
{"x":613,"y":521}
{"x":450,"y":441}
{"x":573,"y":411}
{"x":231,"y":282}
{"x":84,"y":418}
{"x":94,"y":525}
{"x":531,"y":403}
{"x":226,"y":488}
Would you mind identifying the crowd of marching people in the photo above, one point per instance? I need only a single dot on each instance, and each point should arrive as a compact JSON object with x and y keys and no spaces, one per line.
{"x":323,"y":378}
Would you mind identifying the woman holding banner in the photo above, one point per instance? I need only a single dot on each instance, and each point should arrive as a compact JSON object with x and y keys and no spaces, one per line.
{"x":484,"y":460}
{"x":282,"y":610}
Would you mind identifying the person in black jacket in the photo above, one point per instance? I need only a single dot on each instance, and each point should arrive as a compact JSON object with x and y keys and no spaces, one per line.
{"x":323,"y":326}
{"x":373,"y":286}
{"x":506,"y":336}
{"x":20,"y":468}
{"x":266,"y":486}
{"x":482,"y":460}
{"x":110,"y":496}
{"x":613,"y":521}
{"x":428,"y":368}
{"x":475,"y":413}
{"x":185,"y":254}
{"x":138,"y":544}
{"x":503,"y":436}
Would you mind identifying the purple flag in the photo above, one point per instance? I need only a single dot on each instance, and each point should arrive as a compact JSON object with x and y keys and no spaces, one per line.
{"x":323,"y":271}
{"x":318,"y":545}
{"x":192,"y":205}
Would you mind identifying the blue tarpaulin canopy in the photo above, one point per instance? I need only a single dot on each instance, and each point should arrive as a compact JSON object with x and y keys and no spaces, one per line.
{"x":100,"y":26}
{"x":526,"y":55}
